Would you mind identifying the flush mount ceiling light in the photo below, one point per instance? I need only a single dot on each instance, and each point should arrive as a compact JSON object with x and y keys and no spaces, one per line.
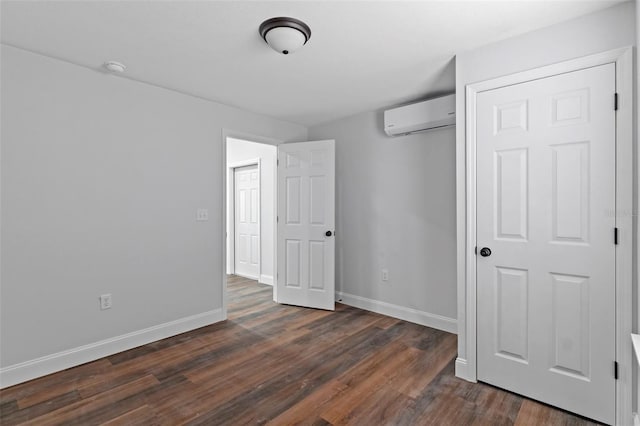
{"x":285,"y":35}
{"x":114,"y":66}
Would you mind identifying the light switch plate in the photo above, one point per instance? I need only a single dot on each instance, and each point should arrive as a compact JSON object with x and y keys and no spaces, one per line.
{"x":105,"y":301}
{"x":202,"y":215}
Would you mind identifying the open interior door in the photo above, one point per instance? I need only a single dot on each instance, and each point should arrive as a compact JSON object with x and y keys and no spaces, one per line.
{"x":306,"y":224}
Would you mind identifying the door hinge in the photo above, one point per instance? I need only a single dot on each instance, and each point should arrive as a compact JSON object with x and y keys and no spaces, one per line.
{"x":615,"y":370}
{"x":278,"y":162}
{"x":615,"y":236}
{"x":277,"y":219}
{"x":615,"y":101}
{"x":475,"y":250}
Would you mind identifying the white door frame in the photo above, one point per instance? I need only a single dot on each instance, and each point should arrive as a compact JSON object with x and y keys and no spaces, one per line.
{"x":231,"y":238}
{"x":226,"y":134}
{"x":466,"y":368}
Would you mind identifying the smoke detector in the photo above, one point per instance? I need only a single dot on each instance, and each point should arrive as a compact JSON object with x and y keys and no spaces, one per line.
{"x":115,"y":67}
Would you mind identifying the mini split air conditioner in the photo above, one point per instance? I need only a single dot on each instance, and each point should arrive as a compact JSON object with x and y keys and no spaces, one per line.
{"x":427,"y":115}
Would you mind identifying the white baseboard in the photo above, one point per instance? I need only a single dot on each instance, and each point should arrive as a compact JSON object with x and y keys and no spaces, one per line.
{"x":462,"y":370}
{"x":48,"y":364}
{"x":396,"y":311}
{"x":249,"y":277}
{"x":266,"y":279}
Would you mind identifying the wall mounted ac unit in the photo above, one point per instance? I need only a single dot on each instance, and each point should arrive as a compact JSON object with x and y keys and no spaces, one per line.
{"x":427,"y":115}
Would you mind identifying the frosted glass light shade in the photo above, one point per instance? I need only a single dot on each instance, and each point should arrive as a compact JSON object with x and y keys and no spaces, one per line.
{"x":285,"y":35}
{"x":285,"y":39}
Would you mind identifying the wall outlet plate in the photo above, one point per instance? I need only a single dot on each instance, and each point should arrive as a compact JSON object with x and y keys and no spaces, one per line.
{"x":385,"y":275}
{"x":202,"y":215}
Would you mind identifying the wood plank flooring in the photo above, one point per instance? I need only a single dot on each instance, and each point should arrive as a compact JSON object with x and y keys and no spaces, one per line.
{"x":277,"y":365}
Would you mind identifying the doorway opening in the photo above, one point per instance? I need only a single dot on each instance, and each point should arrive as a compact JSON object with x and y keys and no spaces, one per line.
{"x":296,"y":255}
{"x":250,"y":169}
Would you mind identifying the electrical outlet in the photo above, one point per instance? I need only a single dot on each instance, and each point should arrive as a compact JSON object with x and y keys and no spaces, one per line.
{"x":105,"y":301}
{"x":202,"y":215}
{"x":385,"y":275}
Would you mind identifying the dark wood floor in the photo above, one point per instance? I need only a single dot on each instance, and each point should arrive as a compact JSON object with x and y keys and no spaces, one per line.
{"x":279,"y":365}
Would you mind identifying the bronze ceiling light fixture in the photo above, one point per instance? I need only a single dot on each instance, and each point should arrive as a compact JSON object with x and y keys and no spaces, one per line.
{"x":285,"y":35}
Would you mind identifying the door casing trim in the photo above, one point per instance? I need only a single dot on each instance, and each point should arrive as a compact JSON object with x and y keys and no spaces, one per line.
{"x":466,"y":363}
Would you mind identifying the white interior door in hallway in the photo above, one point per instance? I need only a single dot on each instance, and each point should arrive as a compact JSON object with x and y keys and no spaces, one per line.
{"x":247,"y":221}
{"x":306,"y":224}
{"x":546,"y":211}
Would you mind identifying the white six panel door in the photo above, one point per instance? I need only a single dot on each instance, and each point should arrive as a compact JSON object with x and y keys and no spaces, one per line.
{"x":247,"y":221}
{"x":306,"y":224}
{"x":545,"y":208}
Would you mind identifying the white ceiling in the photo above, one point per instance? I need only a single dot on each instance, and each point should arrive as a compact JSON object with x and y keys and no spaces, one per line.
{"x":361,"y":56}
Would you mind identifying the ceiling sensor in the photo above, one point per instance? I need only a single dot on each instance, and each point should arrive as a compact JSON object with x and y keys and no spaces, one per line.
{"x":114,"y":66}
{"x":285,"y":35}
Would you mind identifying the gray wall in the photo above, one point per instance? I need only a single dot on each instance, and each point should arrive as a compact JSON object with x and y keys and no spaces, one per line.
{"x":395,"y":209}
{"x":101,"y":179}
{"x":605,"y":30}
